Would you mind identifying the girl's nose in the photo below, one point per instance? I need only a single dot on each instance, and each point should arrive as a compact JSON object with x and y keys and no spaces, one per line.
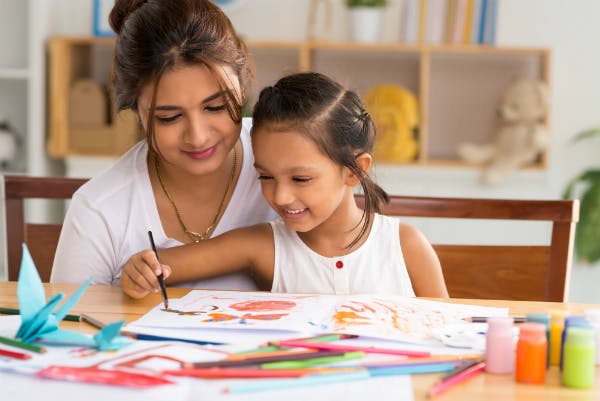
{"x":282,"y":195}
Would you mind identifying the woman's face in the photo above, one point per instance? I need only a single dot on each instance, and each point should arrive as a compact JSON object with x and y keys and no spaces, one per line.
{"x":193,"y":129}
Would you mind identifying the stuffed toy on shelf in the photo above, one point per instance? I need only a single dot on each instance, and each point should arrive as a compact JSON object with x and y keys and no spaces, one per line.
{"x":521,"y":136}
{"x":395,"y":112}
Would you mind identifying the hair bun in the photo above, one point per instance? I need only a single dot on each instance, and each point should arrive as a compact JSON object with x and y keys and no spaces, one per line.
{"x":121,"y":11}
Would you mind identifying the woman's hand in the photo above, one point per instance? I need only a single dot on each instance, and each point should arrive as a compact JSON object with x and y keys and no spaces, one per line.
{"x":139,"y":274}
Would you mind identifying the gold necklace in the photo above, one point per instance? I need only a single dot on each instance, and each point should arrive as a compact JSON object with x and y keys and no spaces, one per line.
{"x":195,"y":236}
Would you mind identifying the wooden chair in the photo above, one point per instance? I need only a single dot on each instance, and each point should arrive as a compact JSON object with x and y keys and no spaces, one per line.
{"x":41,"y":239}
{"x":533,"y":273}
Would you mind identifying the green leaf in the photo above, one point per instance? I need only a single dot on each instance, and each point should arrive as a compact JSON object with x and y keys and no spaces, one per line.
{"x":366,"y":3}
{"x":586,"y":134}
{"x":590,"y":177}
{"x":587,"y":238}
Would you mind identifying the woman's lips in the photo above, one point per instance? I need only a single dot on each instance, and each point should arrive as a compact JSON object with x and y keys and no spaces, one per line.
{"x":201,"y":154}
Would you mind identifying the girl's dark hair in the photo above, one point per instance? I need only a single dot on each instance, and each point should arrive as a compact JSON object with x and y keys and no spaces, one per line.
{"x":333,"y":117}
{"x":154,"y":36}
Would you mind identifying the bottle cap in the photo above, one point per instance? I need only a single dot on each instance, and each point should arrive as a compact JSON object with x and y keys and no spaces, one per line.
{"x":580,"y":335}
{"x":500,"y":323}
{"x":532,"y":331}
{"x":576,"y":321}
{"x":539,"y":318}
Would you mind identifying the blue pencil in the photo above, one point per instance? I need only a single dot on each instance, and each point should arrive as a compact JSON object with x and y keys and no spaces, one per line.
{"x":312,"y":380}
{"x":412,"y":370}
{"x":328,"y":378}
{"x":150,"y":337}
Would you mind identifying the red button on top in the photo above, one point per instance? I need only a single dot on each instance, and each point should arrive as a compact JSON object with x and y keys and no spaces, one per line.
{"x":339,"y":264}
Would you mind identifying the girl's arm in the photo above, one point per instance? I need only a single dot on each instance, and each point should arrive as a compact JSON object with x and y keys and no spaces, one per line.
{"x":422,"y":263}
{"x":249,"y":248}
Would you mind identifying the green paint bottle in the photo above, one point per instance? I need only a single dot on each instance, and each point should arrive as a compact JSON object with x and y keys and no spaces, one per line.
{"x":579,"y":358}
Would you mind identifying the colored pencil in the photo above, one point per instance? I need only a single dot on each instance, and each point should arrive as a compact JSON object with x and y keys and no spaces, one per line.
{"x":328,"y":378}
{"x":13,"y":354}
{"x":92,"y":321}
{"x":348,"y":348}
{"x":281,"y":351}
{"x":309,"y":363}
{"x":12,"y":311}
{"x":483,"y":319}
{"x":297,"y":356}
{"x":424,"y":361}
{"x":461,"y":375}
{"x":245,"y":373}
{"x":299,"y":382}
{"x":412,"y":370}
{"x":261,"y":350}
{"x":151,"y":337}
{"x":161,"y":280}
{"x":22,"y":345}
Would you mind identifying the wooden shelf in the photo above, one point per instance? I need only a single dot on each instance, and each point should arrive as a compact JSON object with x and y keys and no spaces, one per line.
{"x":458,"y":87}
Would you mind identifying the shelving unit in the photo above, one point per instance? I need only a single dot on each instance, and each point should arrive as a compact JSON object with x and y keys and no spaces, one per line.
{"x":458,"y":87}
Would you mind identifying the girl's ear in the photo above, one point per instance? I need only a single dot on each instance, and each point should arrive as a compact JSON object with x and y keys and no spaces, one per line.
{"x":364,"y":162}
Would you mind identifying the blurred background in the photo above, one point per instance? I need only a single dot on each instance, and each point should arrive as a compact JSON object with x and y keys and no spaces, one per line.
{"x":443,"y":66}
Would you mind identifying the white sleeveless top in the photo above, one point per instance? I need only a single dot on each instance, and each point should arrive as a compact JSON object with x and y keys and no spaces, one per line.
{"x":377,"y":267}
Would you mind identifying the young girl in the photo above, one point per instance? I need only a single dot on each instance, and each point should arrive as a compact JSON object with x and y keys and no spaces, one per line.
{"x":312,"y":141}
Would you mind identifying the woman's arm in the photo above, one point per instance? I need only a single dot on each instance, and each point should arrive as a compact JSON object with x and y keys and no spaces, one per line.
{"x":422,"y":263}
{"x":249,"y":248}
{"x":85,"y":248}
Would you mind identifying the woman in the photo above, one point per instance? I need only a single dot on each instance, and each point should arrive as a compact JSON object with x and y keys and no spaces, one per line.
{"x":180,"y":66}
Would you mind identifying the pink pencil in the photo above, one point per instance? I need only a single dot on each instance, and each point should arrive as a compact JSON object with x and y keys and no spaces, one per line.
{"x":345,"y":347}
{"x":461,"y":376}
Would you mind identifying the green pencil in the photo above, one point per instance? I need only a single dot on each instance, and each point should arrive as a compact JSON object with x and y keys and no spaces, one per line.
{"x":22,"y":345}
{"x":11,"y":311}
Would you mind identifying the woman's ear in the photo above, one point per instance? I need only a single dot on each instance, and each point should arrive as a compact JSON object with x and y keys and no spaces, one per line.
{"x":364,"y":162}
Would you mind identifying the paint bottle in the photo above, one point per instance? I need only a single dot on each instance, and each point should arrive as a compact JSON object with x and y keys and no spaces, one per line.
{"x":571,"y":321}
{"x":557,"y":323}
{"x":579,"y":358}
{"x":544,"y":319}
{"x":532,"y":348}
{"x":593,"y":316}
{"x":499,"y":346}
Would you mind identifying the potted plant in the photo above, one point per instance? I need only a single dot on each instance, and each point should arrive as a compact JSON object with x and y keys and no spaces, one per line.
{"x":587,"y":185}
{"x":365,"y":19}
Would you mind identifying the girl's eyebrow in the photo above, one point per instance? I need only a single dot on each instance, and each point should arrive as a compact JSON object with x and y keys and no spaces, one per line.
{"x":206,"y":100}
{"x":292,"y":170}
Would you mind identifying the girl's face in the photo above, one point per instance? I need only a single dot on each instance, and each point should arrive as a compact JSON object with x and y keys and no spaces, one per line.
{"x":303,"y":185}
{"x":193,"y":129}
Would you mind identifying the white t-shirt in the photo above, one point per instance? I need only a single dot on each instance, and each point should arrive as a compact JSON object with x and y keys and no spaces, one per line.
{"x":377,"y":267}
{"x":109,"y":217}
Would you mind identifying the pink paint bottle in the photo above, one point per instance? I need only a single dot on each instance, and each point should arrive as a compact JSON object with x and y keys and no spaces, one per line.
{"x":499,"y":346}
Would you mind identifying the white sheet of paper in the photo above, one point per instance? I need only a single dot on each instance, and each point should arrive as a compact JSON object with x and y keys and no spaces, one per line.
{"x":398,"y":318}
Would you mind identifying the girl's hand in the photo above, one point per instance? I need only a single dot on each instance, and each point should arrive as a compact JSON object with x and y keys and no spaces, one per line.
{"x":139,"y":274}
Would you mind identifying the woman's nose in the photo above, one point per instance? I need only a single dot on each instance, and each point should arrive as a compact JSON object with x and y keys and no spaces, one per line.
{"x":196,"y":132}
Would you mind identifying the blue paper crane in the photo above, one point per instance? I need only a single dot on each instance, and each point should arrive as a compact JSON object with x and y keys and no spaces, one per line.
{"x":39,"y":322}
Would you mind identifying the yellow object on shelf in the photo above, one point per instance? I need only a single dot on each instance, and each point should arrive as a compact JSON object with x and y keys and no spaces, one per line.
{"x":396,"y":114}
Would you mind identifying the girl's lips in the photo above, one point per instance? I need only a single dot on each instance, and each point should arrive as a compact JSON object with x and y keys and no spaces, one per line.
{"x":294,"y":214}
{"x":202,"y":154}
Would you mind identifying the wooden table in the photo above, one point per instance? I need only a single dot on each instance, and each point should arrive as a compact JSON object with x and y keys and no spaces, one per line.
{"x":110,"y":304}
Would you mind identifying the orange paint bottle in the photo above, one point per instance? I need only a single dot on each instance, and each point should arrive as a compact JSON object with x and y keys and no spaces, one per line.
{"x":532,"y":350}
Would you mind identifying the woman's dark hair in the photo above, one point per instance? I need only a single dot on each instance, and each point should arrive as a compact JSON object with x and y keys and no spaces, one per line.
{"x":154,"y":36}
{"x":333,"y":117}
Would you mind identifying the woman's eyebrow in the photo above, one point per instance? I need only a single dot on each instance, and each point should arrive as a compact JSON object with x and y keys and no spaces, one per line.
{"x":206,"y":100}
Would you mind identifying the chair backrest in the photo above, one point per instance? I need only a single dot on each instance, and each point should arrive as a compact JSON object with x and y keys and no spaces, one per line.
{"x":523,"y":272}
{"x":41,"y":239}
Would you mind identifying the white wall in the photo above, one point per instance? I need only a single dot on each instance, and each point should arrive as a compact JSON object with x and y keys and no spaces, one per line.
{"x":569,"y":28}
